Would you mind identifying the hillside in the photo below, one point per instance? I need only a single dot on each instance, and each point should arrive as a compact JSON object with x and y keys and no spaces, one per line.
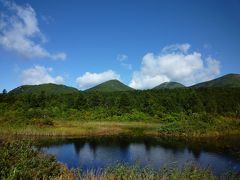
{"x":169,"y":85}
{"x":229,"y":80}
{"x":111,"y":86}
{"x":47,"y":88}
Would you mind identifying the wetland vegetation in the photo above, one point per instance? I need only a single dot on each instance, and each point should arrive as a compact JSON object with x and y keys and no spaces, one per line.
{"x":177,"y":112}
{"x":180,"y":113}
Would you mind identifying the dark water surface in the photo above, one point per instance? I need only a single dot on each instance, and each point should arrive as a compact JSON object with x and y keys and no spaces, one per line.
{"x":97,"y":153}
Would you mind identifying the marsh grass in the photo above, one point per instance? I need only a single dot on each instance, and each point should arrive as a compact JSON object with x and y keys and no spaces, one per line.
{"x":176,"y":125}
{"x":19,"y":161}
{"x":75,"y":128}
{"x":134,"y":172}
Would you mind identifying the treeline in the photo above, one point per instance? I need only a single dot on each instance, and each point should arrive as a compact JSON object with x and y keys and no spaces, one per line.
{"x":137,"y":104}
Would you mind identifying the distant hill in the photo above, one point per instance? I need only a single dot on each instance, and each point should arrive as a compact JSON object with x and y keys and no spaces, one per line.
{"x":169,"y":85}
{"x":110,"y":86}
{"x":47,"y":88}
{"x":229,"y":80}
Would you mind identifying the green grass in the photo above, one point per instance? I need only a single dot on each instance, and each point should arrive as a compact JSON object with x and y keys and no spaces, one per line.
{"x":76,"y":128}
{"x":194,"y":125}
{"x":134,"y":172}
{"x":19,"y":161}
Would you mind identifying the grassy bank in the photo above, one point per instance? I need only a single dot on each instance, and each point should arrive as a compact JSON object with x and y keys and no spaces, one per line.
{"x":19,"y":161}
{"x":134,"y":172}
{"x":193,"y":125}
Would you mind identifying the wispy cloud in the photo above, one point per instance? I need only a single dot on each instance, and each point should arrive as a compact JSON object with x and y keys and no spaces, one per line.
{"x":89,"y":79}
{"x":39,"y":75}
{"x":174,"y":63}
{"x":181,"y":48}
{"x":47,"y":19}
{"x":20,"y":32}
{"x":122,"y":58}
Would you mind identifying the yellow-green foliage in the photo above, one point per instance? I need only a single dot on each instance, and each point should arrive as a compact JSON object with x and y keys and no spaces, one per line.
{"x":19,"y":161}
{"x":194,"y":125}
{"x":134,"y":172}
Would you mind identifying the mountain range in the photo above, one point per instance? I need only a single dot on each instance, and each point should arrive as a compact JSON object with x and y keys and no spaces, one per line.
{"x":226,"y":81}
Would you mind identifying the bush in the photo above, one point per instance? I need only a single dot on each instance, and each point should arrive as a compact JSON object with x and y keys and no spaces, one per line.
{"x":19,"y":161}
{"x":42,"y":122}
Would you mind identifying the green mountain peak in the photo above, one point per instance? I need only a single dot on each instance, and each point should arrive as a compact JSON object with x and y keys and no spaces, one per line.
{"x":49,"y":88}
{"x":110,"y":86}
{"x":169,"y":85}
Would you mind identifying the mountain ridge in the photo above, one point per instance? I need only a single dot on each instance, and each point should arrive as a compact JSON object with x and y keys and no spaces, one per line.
{"x":110,"y":86}
{"x":229,"y":80}
{"x":48,"y":88}
{"x":226,"y":81}
{"x":169,"y":85}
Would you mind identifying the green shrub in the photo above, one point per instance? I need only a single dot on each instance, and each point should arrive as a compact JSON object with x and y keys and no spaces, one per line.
{"x":19,"y":161}
{"x":42,"y":122}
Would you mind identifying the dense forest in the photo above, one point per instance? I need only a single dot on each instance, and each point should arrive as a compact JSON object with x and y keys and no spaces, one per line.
{"x":129,"y":105}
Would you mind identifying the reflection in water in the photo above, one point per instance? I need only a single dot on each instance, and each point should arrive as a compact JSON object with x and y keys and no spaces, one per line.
{"x":97,"y":153}
{"x":78,"y":146}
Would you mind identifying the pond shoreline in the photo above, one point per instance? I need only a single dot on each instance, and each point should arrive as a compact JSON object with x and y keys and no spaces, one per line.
{"x":185,"y":172}
{"x":34,"y":165}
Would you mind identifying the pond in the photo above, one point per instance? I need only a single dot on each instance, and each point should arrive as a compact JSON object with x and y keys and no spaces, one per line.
{"x":97,"y":153}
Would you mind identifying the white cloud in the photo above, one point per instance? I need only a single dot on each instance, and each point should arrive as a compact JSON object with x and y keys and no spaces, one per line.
{"x":213,"y":65}
{"x":88,"y":79}
{"x":174,"y":63}
{"x":122,"y":58}
{"x":20,"y":33}
{"x":39,"y":75}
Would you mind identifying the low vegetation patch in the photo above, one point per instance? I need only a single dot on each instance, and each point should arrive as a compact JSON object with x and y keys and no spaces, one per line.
{"x":175,"y":124}
{"x":19,"y":161}
{"x":135,"y":172}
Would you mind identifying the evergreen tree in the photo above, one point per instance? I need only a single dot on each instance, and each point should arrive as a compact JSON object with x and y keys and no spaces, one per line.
{"x":4,"y":91}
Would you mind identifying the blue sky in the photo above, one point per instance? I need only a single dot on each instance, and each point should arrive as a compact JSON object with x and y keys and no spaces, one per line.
{"x":82,"y":43}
